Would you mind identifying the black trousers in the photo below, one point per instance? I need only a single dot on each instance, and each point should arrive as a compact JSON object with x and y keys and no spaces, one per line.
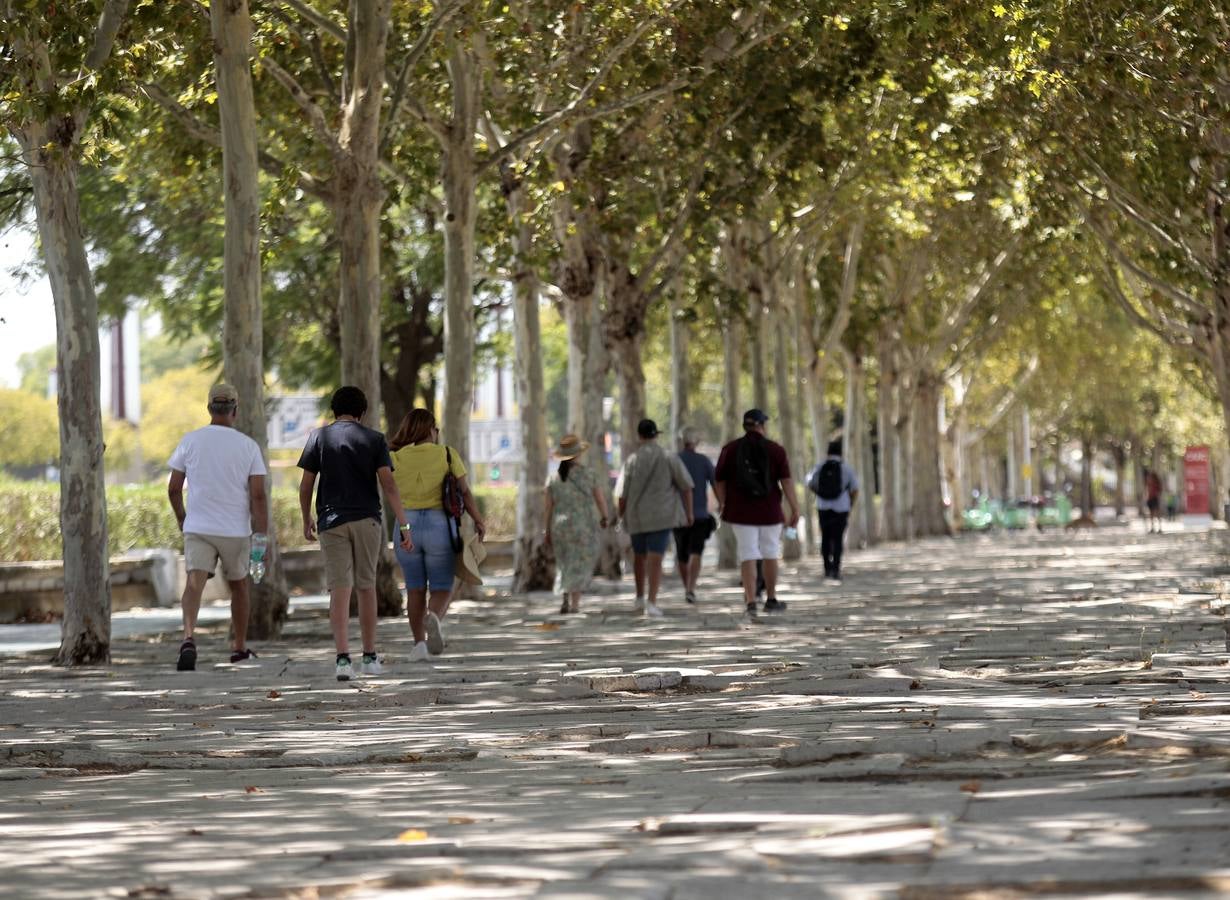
{"x":832,"y":535}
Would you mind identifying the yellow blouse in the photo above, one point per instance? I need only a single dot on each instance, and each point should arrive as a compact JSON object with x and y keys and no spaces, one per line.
{"x":419,"y":470}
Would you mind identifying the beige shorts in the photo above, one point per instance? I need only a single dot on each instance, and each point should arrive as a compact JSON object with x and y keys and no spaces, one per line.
{"x":351,"y":550}
{"x":202,"y":552}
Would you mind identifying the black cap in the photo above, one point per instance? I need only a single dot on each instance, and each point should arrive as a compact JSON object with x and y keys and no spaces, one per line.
{"x":754,"y":417}
{"x":647,"y":428}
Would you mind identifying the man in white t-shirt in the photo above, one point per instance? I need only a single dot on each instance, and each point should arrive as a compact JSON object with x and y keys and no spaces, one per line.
{"x":226,"y":504}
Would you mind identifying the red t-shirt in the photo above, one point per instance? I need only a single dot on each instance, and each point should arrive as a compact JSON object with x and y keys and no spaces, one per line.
{"x":741,"y":509}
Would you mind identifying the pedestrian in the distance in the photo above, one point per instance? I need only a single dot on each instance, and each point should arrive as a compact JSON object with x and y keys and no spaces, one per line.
{"x":350,"y":460}
{"x":690,"y":539}
{"x":1153,"y":500}
{"x":227,"y":504}
{"x":655,"y":497}
{"x":753,"y":476}
{"x":835,"y":485}
{"x":576,"y":511}
{"x":420,"y":465}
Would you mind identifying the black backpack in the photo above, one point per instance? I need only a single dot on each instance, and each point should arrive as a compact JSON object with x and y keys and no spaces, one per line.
{"x":752,"y":469}
{"x":827,"y":482}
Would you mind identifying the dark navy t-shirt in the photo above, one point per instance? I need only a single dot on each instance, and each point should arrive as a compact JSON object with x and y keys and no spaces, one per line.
{"x":700,"y":467}
{"x":345,"y":456}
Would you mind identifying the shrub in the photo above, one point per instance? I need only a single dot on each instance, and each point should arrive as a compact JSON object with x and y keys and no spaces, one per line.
{"x":137,"y":516}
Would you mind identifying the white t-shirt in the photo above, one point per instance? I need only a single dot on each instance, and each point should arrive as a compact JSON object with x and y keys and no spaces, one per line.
{"x":218,"y":462}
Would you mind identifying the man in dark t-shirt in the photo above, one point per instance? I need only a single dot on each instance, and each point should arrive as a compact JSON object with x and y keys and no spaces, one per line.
{"x":690,"y":539}
{"x":349,"y":459}
{"x":753,"y":476}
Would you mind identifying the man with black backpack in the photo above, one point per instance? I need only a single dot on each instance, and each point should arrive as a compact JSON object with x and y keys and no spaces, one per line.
{"x":752,"y":477}
{"x":836,"y":487}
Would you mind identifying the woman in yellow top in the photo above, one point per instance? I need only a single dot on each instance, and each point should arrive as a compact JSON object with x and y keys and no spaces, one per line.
{"x":419,"y":467}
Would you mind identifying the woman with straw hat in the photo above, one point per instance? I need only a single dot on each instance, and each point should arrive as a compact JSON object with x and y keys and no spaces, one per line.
{"x":576,"y":509}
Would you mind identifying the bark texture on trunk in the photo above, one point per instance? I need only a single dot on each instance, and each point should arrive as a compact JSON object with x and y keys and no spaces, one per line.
{"x":49,"y":147}
{"x":855,"y":446}
{"x":792,"y":548}
{"x":891,"y":526}
{"x":358,"y":202}
{"x":243,"y":330}
{"x":85,"y":632}
{"x":534,"y":568}
{"x":459,"y":178}
{"x":928,"y":493}
{"x":732,"y":423}
{"x":1086,"y":488}
{"x":681,"y":382}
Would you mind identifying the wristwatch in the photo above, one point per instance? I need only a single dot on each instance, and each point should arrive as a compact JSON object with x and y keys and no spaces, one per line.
{"x":403,"y":526}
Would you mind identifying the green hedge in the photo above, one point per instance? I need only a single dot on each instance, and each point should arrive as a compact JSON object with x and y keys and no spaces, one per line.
{"x":140,"y":516}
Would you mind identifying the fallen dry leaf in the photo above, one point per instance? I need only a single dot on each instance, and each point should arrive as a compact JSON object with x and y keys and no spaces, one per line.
{"x":253,"y":789}
{"x":972,"y":787}
{"x":547,"y":626}
{"x":410,"y":835}
{"x":274,"y":695}
{"x":461,"y":820}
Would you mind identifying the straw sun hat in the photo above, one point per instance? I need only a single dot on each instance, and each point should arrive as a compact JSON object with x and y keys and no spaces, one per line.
{"x":570,"y":446}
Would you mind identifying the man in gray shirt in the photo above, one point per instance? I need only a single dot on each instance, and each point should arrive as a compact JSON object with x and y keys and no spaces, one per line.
{"x":655,"y":497}
{"x":836,"y":487}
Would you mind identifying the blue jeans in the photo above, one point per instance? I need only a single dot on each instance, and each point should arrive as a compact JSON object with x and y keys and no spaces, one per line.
{"x":432,"y":561}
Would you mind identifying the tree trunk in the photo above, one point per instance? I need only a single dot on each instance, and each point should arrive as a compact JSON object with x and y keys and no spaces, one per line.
{"x":731,"y":422}
{"x":680,"y":373}
{"x":358,"y":203}
{"x":626,"y":354}
{"x":533,"y":565}
{"x":243,"y":331}
{"x":853,"y":445}
{"x":791,"y":548}
{"x":459,"y":178}
{"x":890,"y":446}
{"x":85,"y":634}
{"x":928,"y":494}
{"x":1119,"y":454}
{"x":1086,"y":496}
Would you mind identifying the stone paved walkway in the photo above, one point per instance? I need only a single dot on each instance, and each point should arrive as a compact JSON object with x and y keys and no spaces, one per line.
{"x":986,"y":717}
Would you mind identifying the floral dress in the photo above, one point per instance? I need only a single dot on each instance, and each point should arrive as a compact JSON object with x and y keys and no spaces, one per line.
{"x":574,"y":528}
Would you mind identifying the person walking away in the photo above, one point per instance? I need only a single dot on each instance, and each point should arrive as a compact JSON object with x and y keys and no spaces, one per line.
{"x":654,"y":493}
{"x":420,"y":465}
{"x":227,"y":504}
{"x":752,"y":478}
{"x":690,"y":539}
{"x":576,"y":510}
{"x":836,"y":486}
{"x":344,"y":462}
{"x":1153,"y":500}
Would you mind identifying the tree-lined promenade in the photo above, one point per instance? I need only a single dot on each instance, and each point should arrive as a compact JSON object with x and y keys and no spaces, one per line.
{"x":970,"y":240}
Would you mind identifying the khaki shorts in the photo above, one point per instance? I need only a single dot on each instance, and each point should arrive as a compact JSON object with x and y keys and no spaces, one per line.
{"x":202,"y":552}
{"x":351,"y":550}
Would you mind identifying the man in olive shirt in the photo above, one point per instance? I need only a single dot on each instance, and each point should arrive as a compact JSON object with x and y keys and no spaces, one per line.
{"x":655,"y":497}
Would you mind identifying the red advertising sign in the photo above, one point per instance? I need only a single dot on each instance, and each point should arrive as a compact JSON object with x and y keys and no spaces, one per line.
{"x":1196,"y":480}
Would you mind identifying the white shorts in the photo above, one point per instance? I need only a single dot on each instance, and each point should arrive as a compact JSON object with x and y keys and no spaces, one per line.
{"x":758,"y":541}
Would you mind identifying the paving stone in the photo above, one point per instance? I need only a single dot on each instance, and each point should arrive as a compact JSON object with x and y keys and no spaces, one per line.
{"x":961,"y":716}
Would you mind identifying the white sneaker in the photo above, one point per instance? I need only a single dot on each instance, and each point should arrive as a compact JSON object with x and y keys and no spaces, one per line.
{"x":638,"y":605}
{"x":345,"y":671}
{"x":418,"y":653}
{"x":653,"y":611}
{"x":370,"y":665}
{"x":435,"y":634}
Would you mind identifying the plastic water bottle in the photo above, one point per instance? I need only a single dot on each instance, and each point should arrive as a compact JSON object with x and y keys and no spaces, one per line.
{"x":256,"y":559}
{"x":790,"y":533}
